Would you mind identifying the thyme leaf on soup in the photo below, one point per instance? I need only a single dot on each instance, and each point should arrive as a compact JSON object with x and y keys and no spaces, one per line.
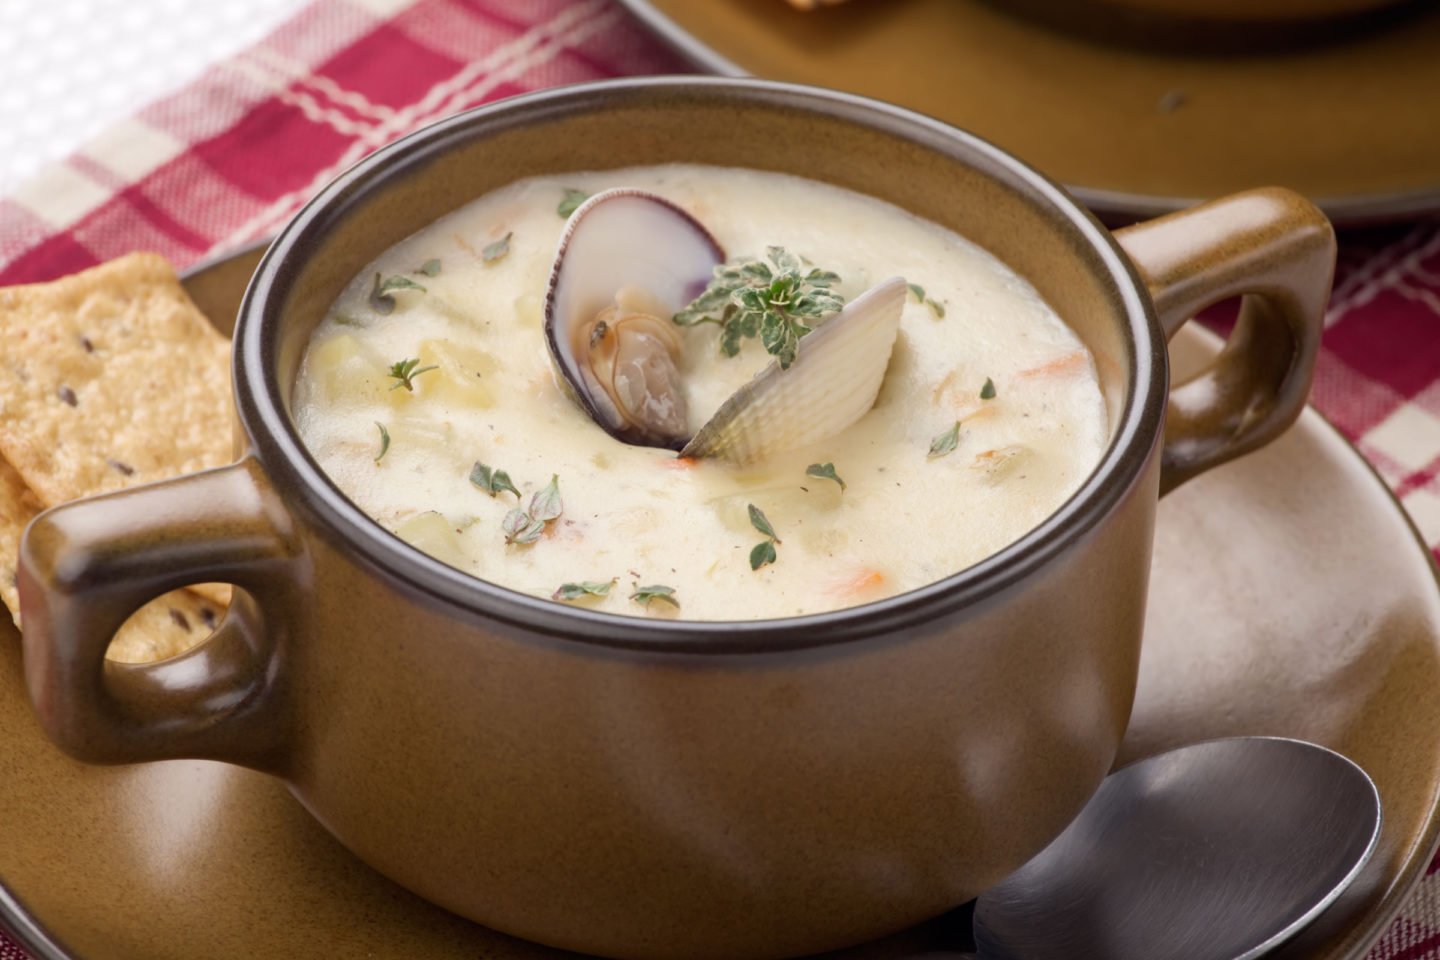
{"x":571,"y":200}
{"x":774,"y":297}
{"x":825,"y":471}
{"x":546,"y":504}
{"x":431,"y":267}
{"x":528,"y":525}
{"x":764,"y":551}
{"x":987,"y":392}
{"x":582,"y":589}
{"x":918,"y":294}
{"x":519,"y":527}
{"x":382,"y":293}
{"x":492,"y":481}
{"x":497,"y":250}
{"x":405,"y":371}
{"x":384,"y":441}
{"x":760,"y":522}
{"x":946,"y":442}
{"x":655,"y":591}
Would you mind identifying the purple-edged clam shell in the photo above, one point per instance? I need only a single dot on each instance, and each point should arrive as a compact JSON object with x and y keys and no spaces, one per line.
{"x":616,"y":239}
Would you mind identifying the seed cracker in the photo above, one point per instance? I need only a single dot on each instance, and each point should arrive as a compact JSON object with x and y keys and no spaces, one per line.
{"x":111,"y":378}
{"x":18,"y":506}
{"x":162,"y":628}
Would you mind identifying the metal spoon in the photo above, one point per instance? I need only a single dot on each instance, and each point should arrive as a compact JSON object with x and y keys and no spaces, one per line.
{"x":1217,"y":851}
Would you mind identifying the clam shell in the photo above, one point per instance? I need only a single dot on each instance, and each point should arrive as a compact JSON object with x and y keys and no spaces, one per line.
{"x":621,"y":238}
{"x":832,"y":383}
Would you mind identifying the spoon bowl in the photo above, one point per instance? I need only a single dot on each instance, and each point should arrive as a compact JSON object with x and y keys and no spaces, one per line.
{"x":1216,"y":851}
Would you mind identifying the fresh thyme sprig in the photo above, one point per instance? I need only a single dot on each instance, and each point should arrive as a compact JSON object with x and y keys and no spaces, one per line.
{"x":405,"y":372}
{"x":944,"y":444}
{"x":570,"y":201}
{"x":825,"y":471}
{"x":497,"y":250}
{"x":918,"y":292}
{"x":527,"y":526}
{"x":764,"y":551}
{"x":384,"y":441}
{"x":582,"y":589}
{"x":655,"y":591}
{"x":382,"y":292}
{"x":491,"y":481}
{"x":773,"y":297}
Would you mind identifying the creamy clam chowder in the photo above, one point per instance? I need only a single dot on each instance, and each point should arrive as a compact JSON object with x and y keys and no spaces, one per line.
{"x":936,"y":411}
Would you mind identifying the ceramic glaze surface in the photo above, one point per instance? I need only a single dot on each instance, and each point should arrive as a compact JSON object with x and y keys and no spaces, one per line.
{"x":904,"y":519}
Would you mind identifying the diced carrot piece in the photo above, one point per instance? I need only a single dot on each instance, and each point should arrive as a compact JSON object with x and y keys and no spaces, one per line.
{"x":1063,"y":365}
{"x":862,"y":581}
{"x":679,"y":463}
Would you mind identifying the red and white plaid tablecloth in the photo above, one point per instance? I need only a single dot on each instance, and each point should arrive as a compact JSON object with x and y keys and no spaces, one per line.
{"x":229,"y":159}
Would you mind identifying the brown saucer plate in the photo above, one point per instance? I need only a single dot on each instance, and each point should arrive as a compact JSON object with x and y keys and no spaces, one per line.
{"x":1132,"y":132}
{"x":1290,"y":596}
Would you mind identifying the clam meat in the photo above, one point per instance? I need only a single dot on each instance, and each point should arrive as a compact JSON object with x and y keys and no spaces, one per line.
{"x":628,"y":260}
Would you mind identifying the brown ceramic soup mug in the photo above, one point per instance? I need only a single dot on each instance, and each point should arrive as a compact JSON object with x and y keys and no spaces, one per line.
{"x":661,"y":788}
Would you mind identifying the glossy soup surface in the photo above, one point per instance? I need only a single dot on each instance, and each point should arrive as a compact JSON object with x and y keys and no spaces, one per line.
{"x":637,"y":516}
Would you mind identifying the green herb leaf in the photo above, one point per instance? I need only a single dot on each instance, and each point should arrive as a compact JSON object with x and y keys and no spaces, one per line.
{"x":405,"y":372}
{"x":987,"y":392}
{"x":784,"y":261}
{"x":526,"y":526}
{"x":384,"y":441}
{"x":824,"y":471}
{"x":918,"y":293}
{"x":492,"y":481}
{"x":520,"y":527}
{"x":431,"y":268}
{"x":347,"y":320}
{"x":769,"y":298}
{"x":762,"y":553}
{"x":572,"y":199}
{"x":946,"y":442}
{"x":546,"y":504}
{"x":656,"y":591}
{"x":582,"y":589}
{"x":497,"y":250}
{"x":760,"y":522}
{"x":382,"y":296}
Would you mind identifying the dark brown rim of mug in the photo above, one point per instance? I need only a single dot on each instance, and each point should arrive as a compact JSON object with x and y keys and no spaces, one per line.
{"x":309,"y":492}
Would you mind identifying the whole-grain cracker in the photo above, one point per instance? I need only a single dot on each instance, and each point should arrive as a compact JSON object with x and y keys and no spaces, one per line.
{"x":168,"y":625}
{"x":111,"y":378}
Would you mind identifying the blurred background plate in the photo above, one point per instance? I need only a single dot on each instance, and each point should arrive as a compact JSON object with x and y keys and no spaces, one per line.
{"x":1351,"y":120}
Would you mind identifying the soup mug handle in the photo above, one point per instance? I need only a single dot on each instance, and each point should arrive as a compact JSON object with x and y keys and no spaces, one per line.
{"x":86,"y":566}
{"x":1278,"y":250}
